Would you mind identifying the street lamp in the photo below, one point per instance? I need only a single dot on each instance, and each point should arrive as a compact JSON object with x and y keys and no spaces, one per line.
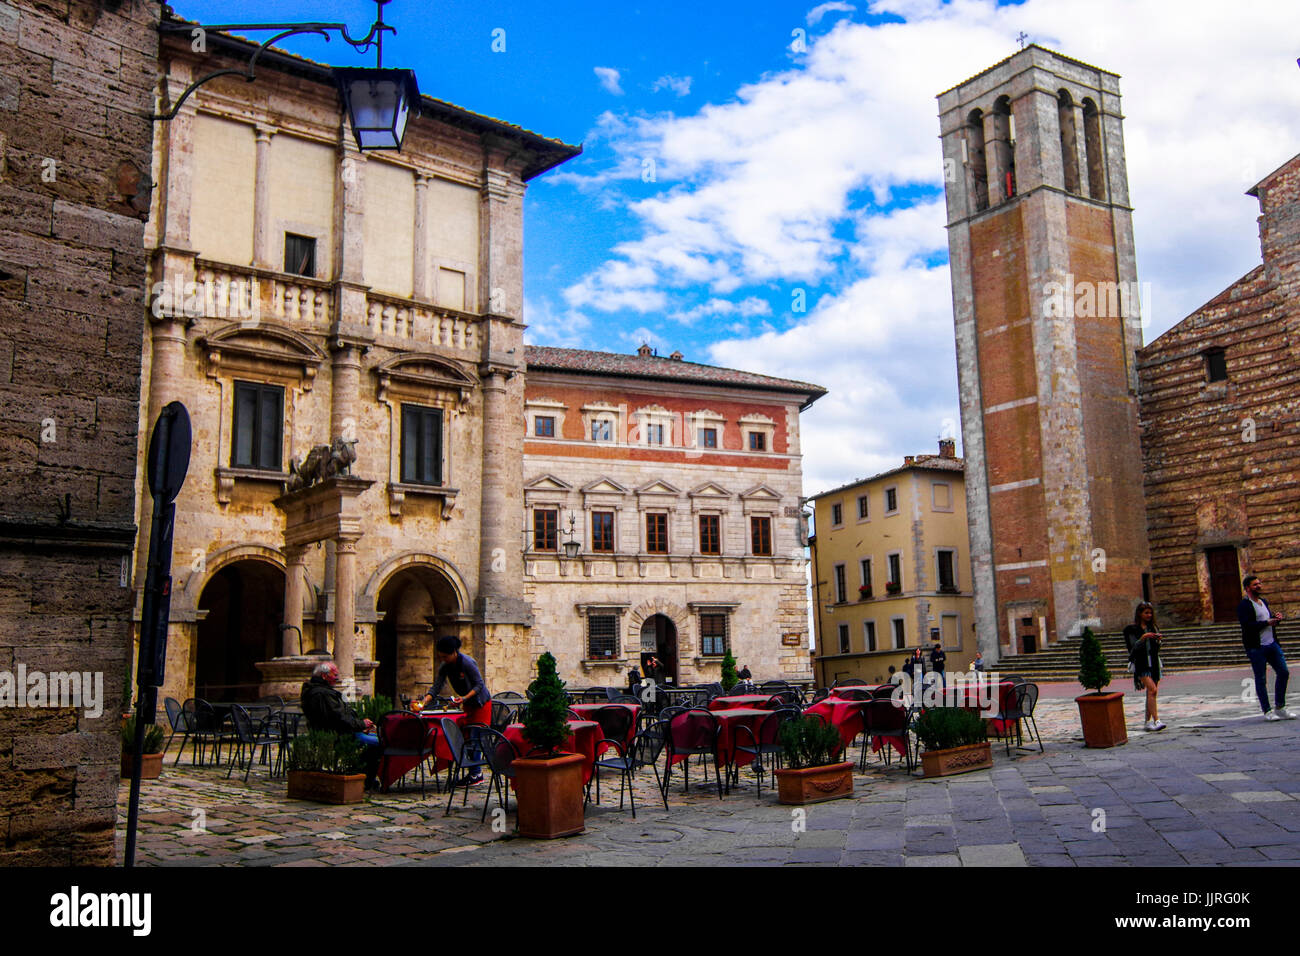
{"x":572,"y":545}
{"x":378,"y":101}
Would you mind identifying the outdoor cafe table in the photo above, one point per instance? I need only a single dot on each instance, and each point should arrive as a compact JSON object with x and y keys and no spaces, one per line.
{"x":588,"y":712}
{"x":967,"y":697}
{"x":729,"y":721}
{"x":394,"y":768}
{"x":740,"y":700}
{"x":583,"y":736}
{"x":869,"y":688}
{"x":846,"y":716}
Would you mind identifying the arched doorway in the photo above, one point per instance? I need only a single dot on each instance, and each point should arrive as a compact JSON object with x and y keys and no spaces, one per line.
{"x":244,"y":605}
{"x":414,"y":606}
{"x":659,"y":637}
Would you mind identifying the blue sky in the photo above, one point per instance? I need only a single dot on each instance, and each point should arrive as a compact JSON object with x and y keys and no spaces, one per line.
{"x":775,"y":208}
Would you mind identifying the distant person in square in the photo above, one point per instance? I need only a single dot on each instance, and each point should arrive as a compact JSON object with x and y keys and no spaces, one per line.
{"x":1143,"y":638}
{"x":744,"y":673}
{"x":978,"y":664}
{"x":1258,"y":622}
{"x":937,"y":658}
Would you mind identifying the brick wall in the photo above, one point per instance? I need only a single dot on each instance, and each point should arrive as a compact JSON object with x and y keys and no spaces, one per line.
{"x":75,"y":85}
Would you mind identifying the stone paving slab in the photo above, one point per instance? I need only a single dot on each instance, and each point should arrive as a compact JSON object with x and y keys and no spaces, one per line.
{"x":1219,"y":786}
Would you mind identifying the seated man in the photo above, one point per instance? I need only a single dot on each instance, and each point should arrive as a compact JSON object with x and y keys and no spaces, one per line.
{"x":325,"y":709}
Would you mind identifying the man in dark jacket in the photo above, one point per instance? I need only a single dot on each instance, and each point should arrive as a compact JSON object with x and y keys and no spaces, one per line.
{"x":937,"y":658}
{"x":325,"y":709}
{"x":1258,"y":634}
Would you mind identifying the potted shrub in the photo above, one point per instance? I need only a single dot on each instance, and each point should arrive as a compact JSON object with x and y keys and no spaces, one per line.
{"x":813,"y":772}
{"x":548,"y":787}
{"x":151,"y":760}
{"x":1102,"y":715}
{"x":729,"y":676}
{"x":372,"y":708}
{"x":326,"y":767}
{"x":955,"y":741}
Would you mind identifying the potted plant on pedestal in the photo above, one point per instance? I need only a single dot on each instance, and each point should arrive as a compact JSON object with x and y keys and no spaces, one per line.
{"x":729,"y":676}
{"x":151,"y":760}
{"x":955,"y":741}
{"x":548,"y":786}
{"x":327,"y":768}
{"x":1102,"y":715}
{"x":813,"y":772}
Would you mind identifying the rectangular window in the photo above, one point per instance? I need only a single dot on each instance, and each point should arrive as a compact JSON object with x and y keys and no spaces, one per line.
{"x":545,"y":529}
{"x":421,"y":445}
{"x":654,"y":434}
{"x":1216,"y":365}
{"x":941,"y":496}
{"x":760,"y":533}
{"x":602,"y":636}
{"x":862,"y":506}
{"x":299,"y":255}
{"x":544,"y":426}
{"x":900,"y":635}
{"x":710,"y":539}
{"x":602,"y":431}
{"x":837,"y":515}
{"x":947,"y":580}
{"x":757,"y":441}
{"x":656,"y":533}
{"x":896,"y":571}
{"x":259,"y":426}
{"x":602,"y":531}
{"x":864,"y":572}
{"x":891,"y":500}
{"x":869,"y":635}
{"x":844,"y":639}
{"x":708,"y":438}
{"x":839,"y":584}
{"x":713,"y":635}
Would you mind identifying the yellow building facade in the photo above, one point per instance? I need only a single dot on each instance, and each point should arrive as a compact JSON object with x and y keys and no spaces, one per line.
{"x":891,"y":570}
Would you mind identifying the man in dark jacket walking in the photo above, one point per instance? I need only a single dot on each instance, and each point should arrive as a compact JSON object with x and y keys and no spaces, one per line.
{"x":1258,"y":633}
{"x":325,"y":709}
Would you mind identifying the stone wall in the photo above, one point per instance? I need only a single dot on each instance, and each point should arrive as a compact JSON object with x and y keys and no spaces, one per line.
{"x":75,"y":90}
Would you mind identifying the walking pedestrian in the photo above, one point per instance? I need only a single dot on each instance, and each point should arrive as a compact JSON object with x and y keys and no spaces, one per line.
{"x":1258,"y":622}
{"x":1143,"y":639}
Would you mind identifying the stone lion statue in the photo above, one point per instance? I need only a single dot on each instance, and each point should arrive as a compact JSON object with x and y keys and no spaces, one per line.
{"x":322,"y":462}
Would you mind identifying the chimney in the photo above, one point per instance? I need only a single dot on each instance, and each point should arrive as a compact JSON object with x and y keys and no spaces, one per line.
{"x":947,"y":448}
{"x":644,"y":351}
{"x":909,"y":460}
{"x":676,"y":356}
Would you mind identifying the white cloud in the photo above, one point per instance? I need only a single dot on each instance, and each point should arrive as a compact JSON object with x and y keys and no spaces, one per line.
{"x":716,"y":308}
{"x":546,"y":326}
{"x":816,"y":13}
{"x":826,"y":175}
{"x":681,"y":85}
{"x":609,"y":79}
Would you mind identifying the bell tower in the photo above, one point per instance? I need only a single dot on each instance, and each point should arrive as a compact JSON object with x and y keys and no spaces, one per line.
{"x":1047,"y":321}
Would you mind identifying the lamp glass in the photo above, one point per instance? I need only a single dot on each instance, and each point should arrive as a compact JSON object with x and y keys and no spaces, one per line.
{"x":378,"y":103}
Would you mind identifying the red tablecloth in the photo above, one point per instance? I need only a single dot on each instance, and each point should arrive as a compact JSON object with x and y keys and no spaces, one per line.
{"x":582,"y":740}
{"x":728,"y":720}
{"x":740,"y":700}
{"x":588,"y":712}
{"x":967,"y":696}
{"x":392,"y":769}
{"x":844,"y":715}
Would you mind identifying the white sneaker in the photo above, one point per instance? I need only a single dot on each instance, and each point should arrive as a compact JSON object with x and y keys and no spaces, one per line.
{"x":1271,"y":715}
{"x":1286,"y":714}
{"x":1159,"y":725}
{"x":1150,"y":725}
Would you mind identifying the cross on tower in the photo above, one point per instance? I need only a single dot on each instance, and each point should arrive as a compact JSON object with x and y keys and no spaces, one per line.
{"x":1022,"y":37}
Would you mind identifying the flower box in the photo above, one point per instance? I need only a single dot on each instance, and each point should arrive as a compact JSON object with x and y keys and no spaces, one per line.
{"x":943,"y":763}
{"x":814,"y":784}
{"x":327,"y":787}
{"x":150,"y":765}
{"x":549,"y":796}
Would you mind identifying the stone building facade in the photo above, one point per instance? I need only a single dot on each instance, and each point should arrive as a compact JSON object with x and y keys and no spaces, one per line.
{"x":1220,"y":413}
{"x":680,"y":485}
{"x":904,"y":527}
{"x":304,"y":292}
{"x":1047,"y":327}
{"x":76,"y":88}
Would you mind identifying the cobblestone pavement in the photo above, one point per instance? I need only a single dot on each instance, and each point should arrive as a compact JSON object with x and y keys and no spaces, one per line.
{"x":1219,"y":786}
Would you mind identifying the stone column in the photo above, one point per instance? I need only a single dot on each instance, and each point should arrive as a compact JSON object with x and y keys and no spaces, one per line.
{"x":345,"y":610}
{"x":262,"y":200}
{"x":345,"y":389}
{"x":295,"y":568}
{"x":420,"y":259}
{"x":496,"y":547}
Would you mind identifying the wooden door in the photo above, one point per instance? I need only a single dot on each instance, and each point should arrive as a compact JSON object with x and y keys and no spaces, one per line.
{"x":1225,"y":583}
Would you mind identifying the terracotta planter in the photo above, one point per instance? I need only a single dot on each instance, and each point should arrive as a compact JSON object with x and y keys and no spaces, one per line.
{"x":814,"y":784}
{"x":326,"y":787}
{"x":1102,"y":716}
{"x":549,"y":793}
{"x":150,"y":766}
{"x":964,"y":759}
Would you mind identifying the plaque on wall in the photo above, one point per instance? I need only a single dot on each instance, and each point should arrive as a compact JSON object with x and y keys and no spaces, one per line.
{"x":792,"y":640}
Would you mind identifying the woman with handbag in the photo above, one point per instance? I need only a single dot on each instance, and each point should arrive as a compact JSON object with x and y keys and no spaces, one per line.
{"x":1143,"y":640}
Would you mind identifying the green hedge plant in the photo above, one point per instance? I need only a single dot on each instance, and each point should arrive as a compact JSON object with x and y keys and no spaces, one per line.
{"x":942,"y":728}
{"x":372,"y":708}
{"x":729,"y":677}
{"x":546,"y":723}
{"x":1093,"y":672}
{"x":324,"y":751}
{"x":153,"y":737}
{"x":809,"y":742}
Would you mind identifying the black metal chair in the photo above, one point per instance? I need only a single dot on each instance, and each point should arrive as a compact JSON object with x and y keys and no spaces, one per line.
{"x":251,"y":736}
{"x":182,"y":722}
{"x":668,"y":713}
{"x":643,"y":751}
{"x":885,"y":720}
{"x":1021,"y":707}
{"x":883,"y":692}
{"x":820,"y":694}
{"x":467,"y":762}
{"x":625,"y":699}
{"x":853,"y":694}
{"x":785,"y":698}
{"x":714,"y":690}
{"x":615,"y":723}
{"x":403,"y":734}
{"x":850,"y":682}
{"x":765,"y":743}
{"x":689,"y":734}
{"x":500,"y":756}
{"x":503,"y":715}
{"x":208,"y":728}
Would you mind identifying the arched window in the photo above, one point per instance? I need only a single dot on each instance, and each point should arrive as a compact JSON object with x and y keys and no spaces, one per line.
{"x":1004,"y":134}
{"x":1069,"y":141}
{"x":1092,"y":146}
{"x":979,"y":173}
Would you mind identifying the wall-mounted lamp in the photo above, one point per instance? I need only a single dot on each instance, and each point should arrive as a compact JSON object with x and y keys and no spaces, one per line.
{"x":571,"y":543}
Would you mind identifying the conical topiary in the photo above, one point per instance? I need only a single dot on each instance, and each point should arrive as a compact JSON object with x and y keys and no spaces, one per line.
{"x":1093,"y":672}
{"x":546,"y":724}
{"x":729,"y":678}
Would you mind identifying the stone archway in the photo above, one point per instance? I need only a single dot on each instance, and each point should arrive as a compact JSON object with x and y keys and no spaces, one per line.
{"x":241,"y":605}
{"x":415,"y":603}
{"x":668,"y":624}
